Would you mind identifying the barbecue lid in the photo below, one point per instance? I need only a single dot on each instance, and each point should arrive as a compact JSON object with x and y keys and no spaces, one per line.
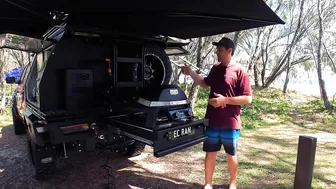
{"x":163,"y":95}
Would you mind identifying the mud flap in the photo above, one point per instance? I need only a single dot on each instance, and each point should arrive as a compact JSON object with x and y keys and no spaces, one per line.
{"x":44,"y":159}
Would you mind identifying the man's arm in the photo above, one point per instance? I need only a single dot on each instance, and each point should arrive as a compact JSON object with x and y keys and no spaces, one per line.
{"x":222,"y":101}
{"x":238,"y":100}
{"x":198,"y":79}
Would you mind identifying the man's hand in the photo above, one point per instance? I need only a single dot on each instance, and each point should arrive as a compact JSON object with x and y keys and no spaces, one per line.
{"x":219,"y":101}
{"x":186,"y":70}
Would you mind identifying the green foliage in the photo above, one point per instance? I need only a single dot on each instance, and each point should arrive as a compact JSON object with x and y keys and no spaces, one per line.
{"x":265,"y":103}
{"x":201,"y":103}
{"x":329,"y":120}
{"x":10,"y":89}
{"x":315,"y":105}
{"x":7,"y":111}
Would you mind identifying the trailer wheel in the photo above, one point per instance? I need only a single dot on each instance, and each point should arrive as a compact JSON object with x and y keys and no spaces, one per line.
{"x":135,"y":149}
{"x":19,"y":127}
{"x":157,"y":68}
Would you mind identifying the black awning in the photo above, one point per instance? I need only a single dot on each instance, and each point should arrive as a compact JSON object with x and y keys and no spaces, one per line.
{"x":178,"y":18}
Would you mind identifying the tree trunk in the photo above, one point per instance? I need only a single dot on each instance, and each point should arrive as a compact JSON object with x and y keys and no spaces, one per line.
{"x":194,"y":88}
{"x":177,"y":74}
{"x":255,"y":72}
{"x":2,"y":64}
{"x":284,"y":90}
{"x":323,"y":91}
{"x":291,"y":47}
{"x":264,"y":56}
{"x":333,"y":63}
{"x":193,"y":94}
{"x":175,"y":80}
{"x":254,"y":54}
{"x":18,"y":56}
{"x":235,"y":38}
{"x":3,"y":98}
{"x":2,"y":83}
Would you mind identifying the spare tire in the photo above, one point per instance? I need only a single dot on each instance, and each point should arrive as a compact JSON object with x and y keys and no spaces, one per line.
{"x":157,"y":68}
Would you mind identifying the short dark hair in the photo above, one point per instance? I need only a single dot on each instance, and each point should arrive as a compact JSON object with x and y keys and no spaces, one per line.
{"x":225,"y":42}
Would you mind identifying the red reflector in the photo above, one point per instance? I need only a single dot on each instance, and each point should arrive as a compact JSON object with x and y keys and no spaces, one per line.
{"x":108,"y":60}
{"x":75,"y":128}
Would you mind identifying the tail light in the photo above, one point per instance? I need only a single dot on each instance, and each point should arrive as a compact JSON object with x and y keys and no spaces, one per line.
{"x":74,"y":128}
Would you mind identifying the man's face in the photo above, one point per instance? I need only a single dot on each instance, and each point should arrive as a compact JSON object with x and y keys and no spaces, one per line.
{"x":224,"y":55}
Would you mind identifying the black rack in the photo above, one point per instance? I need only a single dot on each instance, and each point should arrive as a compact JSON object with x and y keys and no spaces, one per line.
{"x":138,"y":80}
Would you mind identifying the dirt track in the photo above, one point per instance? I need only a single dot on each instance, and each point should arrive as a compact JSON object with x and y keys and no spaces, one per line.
{"x":82,"y":170}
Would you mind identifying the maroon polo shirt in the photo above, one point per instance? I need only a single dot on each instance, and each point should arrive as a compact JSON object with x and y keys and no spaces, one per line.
{"x":229,"y":81}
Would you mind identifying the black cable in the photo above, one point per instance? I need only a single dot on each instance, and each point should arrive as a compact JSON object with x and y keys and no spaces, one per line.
{"x":109,"y":176}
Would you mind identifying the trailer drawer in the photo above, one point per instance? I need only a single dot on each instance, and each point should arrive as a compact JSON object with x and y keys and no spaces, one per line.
{"x":167,"y":140}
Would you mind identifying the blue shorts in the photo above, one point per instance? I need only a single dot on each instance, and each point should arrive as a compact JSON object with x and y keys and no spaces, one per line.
{"x":218,"y":137}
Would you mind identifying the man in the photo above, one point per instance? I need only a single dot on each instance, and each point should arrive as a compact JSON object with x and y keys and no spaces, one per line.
{"x":230,"y":88}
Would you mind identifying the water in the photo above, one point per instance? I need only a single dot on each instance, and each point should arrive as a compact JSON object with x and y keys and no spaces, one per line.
{"x":310,"y":86}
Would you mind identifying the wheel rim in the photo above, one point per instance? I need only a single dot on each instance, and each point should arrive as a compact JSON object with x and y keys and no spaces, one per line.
{"x":154,"y":70}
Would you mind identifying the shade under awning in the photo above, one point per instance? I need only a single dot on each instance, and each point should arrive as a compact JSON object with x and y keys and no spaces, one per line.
{"x":177,"y":18}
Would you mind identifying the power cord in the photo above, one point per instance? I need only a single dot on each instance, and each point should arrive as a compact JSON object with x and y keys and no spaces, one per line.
{"x":109,"y":176}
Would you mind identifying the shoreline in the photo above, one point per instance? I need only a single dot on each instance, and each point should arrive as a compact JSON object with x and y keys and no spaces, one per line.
{"x":309,"y":89}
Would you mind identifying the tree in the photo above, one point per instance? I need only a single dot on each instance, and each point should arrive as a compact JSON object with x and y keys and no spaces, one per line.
{"x":291,"y":46}
{"x":272,"y":50}
{"x":321,"y":10}
{"x":332,"y":62}
{"x":201,"y":57}
{"x":9,"y":59}
{"x":321,"y":44}
{"x":203,"y":49}
{"x":2,"y":81}
{"x":20,"y":58}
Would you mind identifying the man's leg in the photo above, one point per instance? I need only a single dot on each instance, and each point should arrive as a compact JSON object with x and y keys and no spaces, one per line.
{"x":211,"y":145}
{"x":233,"y":169}
{"x":229,"y":139}
{"x":210,"y":163}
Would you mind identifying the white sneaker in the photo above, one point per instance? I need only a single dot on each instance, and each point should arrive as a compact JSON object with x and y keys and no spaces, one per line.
{"x":208,"y":186}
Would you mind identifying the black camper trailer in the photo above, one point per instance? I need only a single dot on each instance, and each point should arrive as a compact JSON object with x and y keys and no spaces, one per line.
{"x":100,"y":72}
